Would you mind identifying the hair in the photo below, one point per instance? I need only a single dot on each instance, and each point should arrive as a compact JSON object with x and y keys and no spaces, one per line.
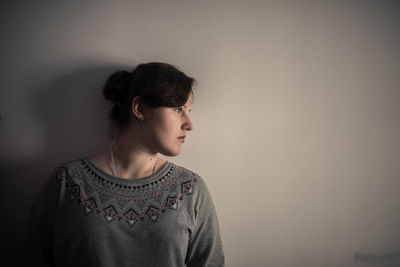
{"x":158,"y":84}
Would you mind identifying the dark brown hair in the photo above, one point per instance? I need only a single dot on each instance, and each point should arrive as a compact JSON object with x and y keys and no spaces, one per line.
{"x":157,"y":84}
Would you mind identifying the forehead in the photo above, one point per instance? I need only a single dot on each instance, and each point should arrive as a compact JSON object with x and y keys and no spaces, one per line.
{"x":189,"y":101}
{"x":188,"y":104}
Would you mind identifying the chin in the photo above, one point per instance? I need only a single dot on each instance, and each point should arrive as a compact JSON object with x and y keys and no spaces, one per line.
{"x":171,"y":153}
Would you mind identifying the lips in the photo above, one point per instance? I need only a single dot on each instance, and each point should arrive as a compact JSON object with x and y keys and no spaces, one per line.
{"x":182,"y":138}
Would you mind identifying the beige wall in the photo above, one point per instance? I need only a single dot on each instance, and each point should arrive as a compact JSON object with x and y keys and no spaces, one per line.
{"x":296,"y":116}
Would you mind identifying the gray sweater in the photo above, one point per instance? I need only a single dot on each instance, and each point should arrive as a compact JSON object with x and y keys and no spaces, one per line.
{"x":85,"y":217}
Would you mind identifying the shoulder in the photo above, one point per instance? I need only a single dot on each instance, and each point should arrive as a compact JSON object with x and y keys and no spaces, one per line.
{"x":191,"y":181}
{"x":186,"y":174}
{"x":67,"y":169}
{"x":195,"y":185}
{"x":54,"y":183}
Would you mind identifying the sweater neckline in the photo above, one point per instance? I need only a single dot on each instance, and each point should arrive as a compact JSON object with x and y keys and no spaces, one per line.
{"x":165,"y":170}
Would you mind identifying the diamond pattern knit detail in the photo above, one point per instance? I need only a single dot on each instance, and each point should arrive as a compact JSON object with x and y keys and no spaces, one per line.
{"x":127,"y":201}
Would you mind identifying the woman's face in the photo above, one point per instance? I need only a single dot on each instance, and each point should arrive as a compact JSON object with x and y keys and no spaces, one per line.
{"x":166,"y":125}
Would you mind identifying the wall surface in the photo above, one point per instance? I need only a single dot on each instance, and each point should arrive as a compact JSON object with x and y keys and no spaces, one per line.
{"x":296,"y":114}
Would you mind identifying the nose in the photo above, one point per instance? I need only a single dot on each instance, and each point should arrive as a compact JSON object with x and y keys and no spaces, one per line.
{"x":187,"y":124}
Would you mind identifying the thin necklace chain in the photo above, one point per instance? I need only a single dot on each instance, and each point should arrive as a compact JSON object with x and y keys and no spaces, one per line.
{"x":113,"y":165}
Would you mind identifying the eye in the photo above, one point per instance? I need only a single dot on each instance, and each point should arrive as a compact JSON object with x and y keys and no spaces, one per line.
{"x":178,"y":109}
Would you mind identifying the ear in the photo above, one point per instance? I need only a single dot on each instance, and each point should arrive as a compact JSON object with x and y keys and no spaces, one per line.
{"x":138,"y":108}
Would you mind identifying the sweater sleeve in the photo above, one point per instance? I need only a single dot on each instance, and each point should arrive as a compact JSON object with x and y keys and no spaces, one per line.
{"x":205,"y":244}
{"x":39,"y":237}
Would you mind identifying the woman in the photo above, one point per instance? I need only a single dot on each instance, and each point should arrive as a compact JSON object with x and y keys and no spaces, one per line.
{"x":127,"y":206}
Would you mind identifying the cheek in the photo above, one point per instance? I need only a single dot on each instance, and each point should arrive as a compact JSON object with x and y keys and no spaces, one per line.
{"x":168,"y":127}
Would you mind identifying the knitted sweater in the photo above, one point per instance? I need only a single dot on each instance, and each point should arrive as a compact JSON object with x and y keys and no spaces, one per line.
{"x":85,"y":217}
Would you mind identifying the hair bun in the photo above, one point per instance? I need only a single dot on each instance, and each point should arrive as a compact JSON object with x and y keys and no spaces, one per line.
{"x":115,"y":87}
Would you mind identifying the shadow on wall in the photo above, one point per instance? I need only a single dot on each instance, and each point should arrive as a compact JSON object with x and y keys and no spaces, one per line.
{"x":73,"y":118}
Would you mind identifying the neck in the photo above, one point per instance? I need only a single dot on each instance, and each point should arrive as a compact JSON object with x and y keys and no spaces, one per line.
{"x":131,"y":159}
